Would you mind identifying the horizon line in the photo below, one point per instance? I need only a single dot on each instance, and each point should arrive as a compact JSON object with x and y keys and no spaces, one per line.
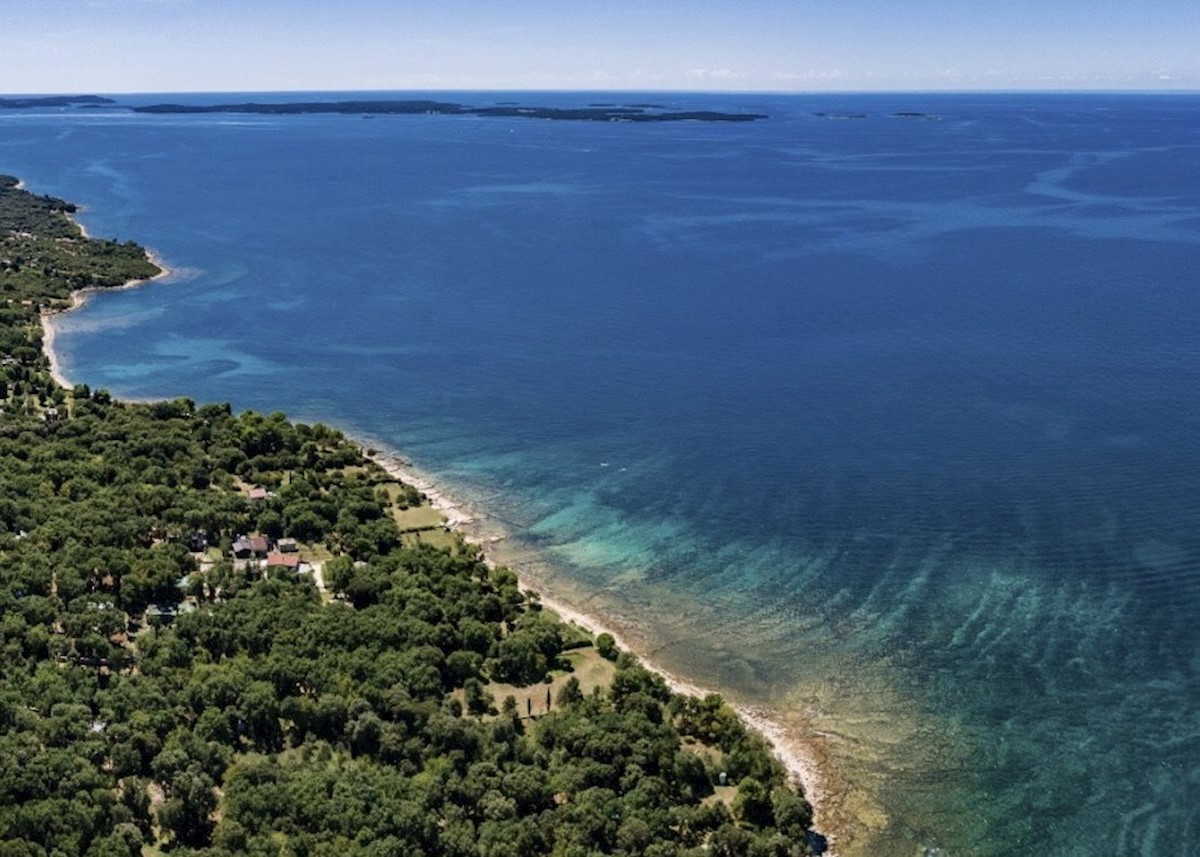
{"x":688,"y":92}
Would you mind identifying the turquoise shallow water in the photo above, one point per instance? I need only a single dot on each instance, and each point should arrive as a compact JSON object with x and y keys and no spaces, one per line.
{"x":887,"y":424}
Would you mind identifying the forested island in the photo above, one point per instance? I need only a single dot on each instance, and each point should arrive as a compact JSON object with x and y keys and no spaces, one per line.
{"x":590,"y":113}
{"x":235,"y":634}
{"x":55,"y":101}
{"x":368,"y":108}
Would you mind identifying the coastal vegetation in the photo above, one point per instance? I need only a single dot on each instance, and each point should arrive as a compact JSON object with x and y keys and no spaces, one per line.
{"x":54,"y":101}
{"x":223,"y":634}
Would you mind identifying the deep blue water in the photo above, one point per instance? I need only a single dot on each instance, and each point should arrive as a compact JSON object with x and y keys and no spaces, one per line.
{"x":891,"y":425}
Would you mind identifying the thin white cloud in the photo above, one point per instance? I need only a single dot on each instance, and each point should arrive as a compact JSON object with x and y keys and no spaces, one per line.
{"x":712,"y":74}
{"x":811,"y":74}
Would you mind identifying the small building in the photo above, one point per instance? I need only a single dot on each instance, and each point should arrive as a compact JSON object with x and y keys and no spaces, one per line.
{"x":197,"y":541}
{"x":289,"y":561}
{"x":258,"y":493}
{"x":162,"y":612}
{"x":242,"y":548}
{"x":165,"y":613}
{"x":251,"y":547}
{"x":287,"y":546}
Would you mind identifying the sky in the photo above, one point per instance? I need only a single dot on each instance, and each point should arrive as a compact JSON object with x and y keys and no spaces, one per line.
{"x":128,"y":46}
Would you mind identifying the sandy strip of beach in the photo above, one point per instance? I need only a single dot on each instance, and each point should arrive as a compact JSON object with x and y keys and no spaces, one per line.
{"x":79,"y":298}
{"x":803,"y":763}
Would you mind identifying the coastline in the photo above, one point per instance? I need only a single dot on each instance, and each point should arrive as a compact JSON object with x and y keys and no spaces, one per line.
{"x":804,"y":762}
{"x":79,"y":299}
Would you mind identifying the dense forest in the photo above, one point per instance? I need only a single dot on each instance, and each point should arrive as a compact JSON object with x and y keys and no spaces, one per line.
{"x":235,"y":634}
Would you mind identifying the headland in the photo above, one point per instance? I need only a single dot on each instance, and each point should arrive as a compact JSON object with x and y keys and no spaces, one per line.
{"x":799,"y":767}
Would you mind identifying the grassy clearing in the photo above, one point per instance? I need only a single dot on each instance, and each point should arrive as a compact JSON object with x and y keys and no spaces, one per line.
{"x":319,"y":552}
{"x":440,"y":538}
{"x":712,"y":757}
{"x":416,"y":518}
{"x":722,"y":794}
{"x":591,"y":670}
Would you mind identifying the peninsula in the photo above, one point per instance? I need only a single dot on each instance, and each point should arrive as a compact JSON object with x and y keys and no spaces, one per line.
{"x":232,"y":633}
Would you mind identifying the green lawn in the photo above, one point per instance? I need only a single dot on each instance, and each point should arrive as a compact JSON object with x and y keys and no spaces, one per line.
{"x":590,"y":669}
{"x":421,"y":517}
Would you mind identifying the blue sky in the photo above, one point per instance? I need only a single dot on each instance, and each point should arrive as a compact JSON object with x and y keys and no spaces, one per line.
{"x":752,"y":45}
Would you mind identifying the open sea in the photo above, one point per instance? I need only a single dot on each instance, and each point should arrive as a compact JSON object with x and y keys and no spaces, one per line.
{"x":887,"y":425}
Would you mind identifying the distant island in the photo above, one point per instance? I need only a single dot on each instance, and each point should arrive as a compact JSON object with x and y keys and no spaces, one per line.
{"x":592,"y":113}
{"x":899,"y":114}
{"x":54,"y":101}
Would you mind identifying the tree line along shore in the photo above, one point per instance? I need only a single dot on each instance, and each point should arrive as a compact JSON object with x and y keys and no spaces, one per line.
{"x":236,"y":634}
